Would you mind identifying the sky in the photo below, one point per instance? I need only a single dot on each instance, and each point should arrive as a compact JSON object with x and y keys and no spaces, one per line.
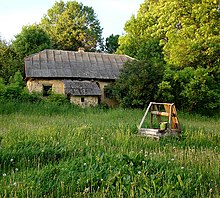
{"x":112,"y":14}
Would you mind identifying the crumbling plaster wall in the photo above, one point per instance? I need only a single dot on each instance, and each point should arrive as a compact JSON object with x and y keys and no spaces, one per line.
{"x":36,"y":85}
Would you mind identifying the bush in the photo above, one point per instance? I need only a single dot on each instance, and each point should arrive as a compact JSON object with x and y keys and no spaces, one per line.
{"x":138,"y":83}
{"x":16,"y":91}
{"x":194,"y":90}
{"x":57,"y":99}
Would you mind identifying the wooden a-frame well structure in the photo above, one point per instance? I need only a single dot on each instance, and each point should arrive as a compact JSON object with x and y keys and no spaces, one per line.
{"x":163,"y":121}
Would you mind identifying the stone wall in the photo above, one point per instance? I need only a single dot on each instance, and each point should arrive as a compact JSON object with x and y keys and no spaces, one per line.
{"x":84,"y":101}
{"x":36,"y":85}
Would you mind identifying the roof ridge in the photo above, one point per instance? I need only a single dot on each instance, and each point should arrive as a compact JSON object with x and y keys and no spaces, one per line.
{"x":76,"y":52}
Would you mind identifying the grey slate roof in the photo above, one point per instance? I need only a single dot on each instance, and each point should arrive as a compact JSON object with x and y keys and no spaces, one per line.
{"x":81,"y":88}
{"x":71,"y":64}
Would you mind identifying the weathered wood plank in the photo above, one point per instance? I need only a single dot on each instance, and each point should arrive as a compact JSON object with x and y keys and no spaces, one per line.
{"x":160,"y":113}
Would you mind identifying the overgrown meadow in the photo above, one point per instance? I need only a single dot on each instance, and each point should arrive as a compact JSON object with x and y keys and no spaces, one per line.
{"x":49,"y":150}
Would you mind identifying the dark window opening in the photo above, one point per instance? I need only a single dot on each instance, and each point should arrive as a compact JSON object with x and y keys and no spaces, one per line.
{"x":47,"y":90}
{"x":82,"y":99}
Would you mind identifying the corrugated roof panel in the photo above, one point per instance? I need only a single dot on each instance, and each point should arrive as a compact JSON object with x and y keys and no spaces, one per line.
{"x":86,"y":59}
{"x":51,"y":65}
{"x":43,"y":56}
{"x":57,"y":56}
{"x":36,"y":57}
{"x":92,"y":59}
{"x":60,"y":73}
{"x":28,"y":71}
{"x":99,"y":59}
{"x":44,"y":65}
{"x":65,"y":57}
{"x":75,"y":64}
{"x":50,"y":55}
{"x":79,"y":57}
{"x":46,"y":73}
{"x":53,"y":72}
{"x":72,"y":57}
{"x":67,"y":72}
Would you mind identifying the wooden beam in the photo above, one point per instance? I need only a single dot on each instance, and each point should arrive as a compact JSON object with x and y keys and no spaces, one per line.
{"x":142,"y":121}
{"x":160,"y":113}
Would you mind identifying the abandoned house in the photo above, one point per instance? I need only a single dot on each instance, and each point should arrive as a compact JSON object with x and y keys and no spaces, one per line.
{"x":81,"y":76}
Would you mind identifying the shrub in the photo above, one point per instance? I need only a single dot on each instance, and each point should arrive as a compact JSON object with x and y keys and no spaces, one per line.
{"x":58,"y":99}
{"x":138,"y":83}
{"x":194,"y":90}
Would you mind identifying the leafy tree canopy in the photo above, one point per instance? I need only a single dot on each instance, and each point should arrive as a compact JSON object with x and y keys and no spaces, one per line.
{"x":71,"y":25}
{"x":32,"y":39}
{"x":10,"y":63}
{"x":188,"y":33}
{"x":111,"y":44}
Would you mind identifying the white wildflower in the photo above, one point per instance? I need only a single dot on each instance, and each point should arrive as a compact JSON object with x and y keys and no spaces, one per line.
{"x":139,"y":172}
{"x":4,"y":174}
{"x":86,"y":190}
{"x":84,"y":164}
{"x":11,"y":160}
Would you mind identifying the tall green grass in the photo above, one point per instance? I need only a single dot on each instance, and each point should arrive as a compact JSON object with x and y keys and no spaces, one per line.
{"x":64,"y":151}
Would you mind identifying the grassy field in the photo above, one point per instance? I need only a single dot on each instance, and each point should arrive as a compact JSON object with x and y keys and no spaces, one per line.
{"x":54,"y":151}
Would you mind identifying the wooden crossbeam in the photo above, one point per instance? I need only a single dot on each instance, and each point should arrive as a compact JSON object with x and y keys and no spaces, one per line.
{"x":160,"y":113}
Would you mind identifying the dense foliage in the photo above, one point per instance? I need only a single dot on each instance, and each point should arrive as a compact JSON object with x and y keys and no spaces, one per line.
{"x":189,"y":35}
{"x":72,"y":25}
{"x":137,"y":83}
{"x":30,"y":40}
{"x":15,"y":91}
{"x":111,"y":44}
{"x":9,"y":61}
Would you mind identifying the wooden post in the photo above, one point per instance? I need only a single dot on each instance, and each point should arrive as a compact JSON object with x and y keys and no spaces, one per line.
{"x":142,"y":121}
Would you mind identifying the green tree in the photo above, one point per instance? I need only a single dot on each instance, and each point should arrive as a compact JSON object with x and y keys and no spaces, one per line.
{"x":191,"y":89}
{"x":71,"y":25}
{"x":32,"y":39}
{"x":137,"y":33}
{"x":10,"y":63}
{"x":192,"y":32}
{"x":111,"y":44}
{"x":188,"y":33}
{"x":138,"y":83}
